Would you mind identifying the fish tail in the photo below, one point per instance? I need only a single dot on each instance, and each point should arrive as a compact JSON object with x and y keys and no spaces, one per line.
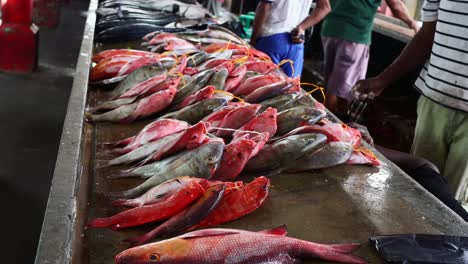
{"x":122,"y":174}
{"x":124,"y":202}
{"x":346,"y":248}
{"x":126,"y":194}
{"x":100,"y":164}
{"x":138,"y":241}
{"x":120,"y":143}
{"x":100,"y":222}
{"x":337,"y":253}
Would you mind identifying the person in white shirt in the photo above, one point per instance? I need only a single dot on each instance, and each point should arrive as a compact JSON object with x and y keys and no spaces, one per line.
{"x":278,"y":29}
{"x":441,"y":45}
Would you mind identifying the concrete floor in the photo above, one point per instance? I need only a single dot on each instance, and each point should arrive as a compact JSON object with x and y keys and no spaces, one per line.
{"x":32,"y":110}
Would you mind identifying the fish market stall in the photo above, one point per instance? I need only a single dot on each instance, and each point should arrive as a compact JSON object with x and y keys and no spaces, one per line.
{"x":340,"y":204}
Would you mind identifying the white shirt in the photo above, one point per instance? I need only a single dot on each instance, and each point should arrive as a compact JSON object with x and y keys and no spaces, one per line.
{"x":444,"y":78}
{"x":285,"y":16}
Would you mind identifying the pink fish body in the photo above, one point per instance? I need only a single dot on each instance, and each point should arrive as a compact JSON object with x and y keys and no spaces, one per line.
{"x":235,"y":156}
{"x":160,"y":38}
{"x":140,"y":62}
{"x":236,"y":76}
{"x":255,"y":82}
{"x":205,"y":93}
{"x":154,"y":103}
{"x":237,"y":117}
{"x":143,"y":86}
{"x":219,"y":246}
{"x":263,"y":67}
{"x":113,"y":52}
{"x":151,"y":132}
{"x":264,"y":122}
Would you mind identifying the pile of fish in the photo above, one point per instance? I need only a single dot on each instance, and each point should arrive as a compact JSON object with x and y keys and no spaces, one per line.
{"x":129,"y":20}
{"x":216,"y":109}
{"x":187,"y":203}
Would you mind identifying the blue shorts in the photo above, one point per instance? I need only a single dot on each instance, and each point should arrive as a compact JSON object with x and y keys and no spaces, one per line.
{"x":279,"y":47}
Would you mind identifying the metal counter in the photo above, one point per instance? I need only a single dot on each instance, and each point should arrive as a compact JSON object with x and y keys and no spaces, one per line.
{"x":337,"y":205}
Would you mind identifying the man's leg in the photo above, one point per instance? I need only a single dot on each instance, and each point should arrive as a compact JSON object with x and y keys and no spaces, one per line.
{"x":456,"y":165}
{"x":350,"y":66}
{"x":329,"y":50}
{"x":431,"y":134}
{"x":275,"y":46}
{"x":296,"y":55}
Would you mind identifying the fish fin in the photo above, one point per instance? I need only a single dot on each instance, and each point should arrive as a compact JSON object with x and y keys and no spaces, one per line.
{"x":207,"y":233}
{"x":279,"y":231}
{"x":274,"y":172}
{"x":100,"y":164}
{"x":137,"y":241}
{"x":345,"y":248}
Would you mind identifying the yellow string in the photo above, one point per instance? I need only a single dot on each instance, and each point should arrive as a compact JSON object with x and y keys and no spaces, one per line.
{"x":242,"y":60}
{"x":291,"y":63}
{"x":316,"y":89}
{"x":365,"y":151}
{"x":224,"y":48}
{"x":181,"y":76}
{"x":230,"y":94}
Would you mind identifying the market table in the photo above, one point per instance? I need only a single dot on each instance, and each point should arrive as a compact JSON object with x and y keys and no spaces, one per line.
{"x":337,"y":205}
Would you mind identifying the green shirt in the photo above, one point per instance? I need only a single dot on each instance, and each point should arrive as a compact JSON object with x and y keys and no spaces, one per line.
{"x":351,"y":20}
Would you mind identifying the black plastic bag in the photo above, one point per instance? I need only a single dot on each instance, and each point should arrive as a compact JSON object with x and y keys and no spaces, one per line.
{"x":415,"y":248}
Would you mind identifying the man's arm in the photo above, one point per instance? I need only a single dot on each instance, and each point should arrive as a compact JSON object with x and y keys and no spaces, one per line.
{"x":261,"y":16}
{"x":400,"y":11}
{"x":413,"y":56}
{"x":322,"y":9}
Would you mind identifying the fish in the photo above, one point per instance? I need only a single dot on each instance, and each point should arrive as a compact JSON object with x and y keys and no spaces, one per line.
{"x":196,"y":112}
{"x":363,"y":156}
{"x":186,"y":218}
{"x":236,"y":118}
{"x":142,"y":108}
{"x":235,"y":78}
{"x":235,"y":156}
{"x":198,"y":81}
{"x":238,"y":203}
{"x":285,"y":151}
{"x":151,"y":132}
{"x":219,"y":79}
{"x":110,"y":67}
{"x":332,"y":154}
{"x":142,"y":87}
{"x":158,"y":193}
{"x":173,"y":204}
{"x":204,"y":93}
{"x":135,"y":64}
{"x":221,"y":55}
{"x":130,"y":32}
{"x":202,"y":164}
{"x":138,"y":76}
{"x":211,"y":63}
{"x":263,"y":67}
{"x":111,"y":105}
{"x":268,"y":91}
{"x":296,"y":117}
{"x":216,"y":118}
{"x":196,"y":59}
{"x":279,"y":102}
{"x":254,"y":83}
{"x":262,"y":123}
{"x":190,"y":138}
{"x":180,"y":66}
{"x":160,"y":38}
{"x":334,"y":131}
{"x":218,"y":31}
{"x":219,"y":245}
{"x":113,"y":52}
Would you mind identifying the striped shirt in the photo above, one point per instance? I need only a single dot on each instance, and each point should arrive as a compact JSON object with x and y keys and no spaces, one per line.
{"x":444,"y":78}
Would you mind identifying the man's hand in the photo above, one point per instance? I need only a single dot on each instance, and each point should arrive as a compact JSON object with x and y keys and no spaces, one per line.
{"x":297,"y":35}
{"x":414,"y":26}
{"x":368,"y":88}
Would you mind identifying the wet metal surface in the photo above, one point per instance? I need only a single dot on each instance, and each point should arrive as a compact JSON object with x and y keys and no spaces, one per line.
{"x":338,"y":205}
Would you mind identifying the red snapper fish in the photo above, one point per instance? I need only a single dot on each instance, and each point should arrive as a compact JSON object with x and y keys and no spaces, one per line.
{"x":140,"y":62}
{"x":113,"y":52}
{"x":110,"y":66}
{"x":151,"y":132}
{"x":220,"y":246}
{"x":264,"y":122}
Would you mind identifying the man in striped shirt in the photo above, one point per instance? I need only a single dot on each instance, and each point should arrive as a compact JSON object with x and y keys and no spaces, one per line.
{"x":441,"y":134}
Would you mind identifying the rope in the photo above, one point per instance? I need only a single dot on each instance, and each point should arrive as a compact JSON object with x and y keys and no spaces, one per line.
{"x":316,"y":89}
{"x":230,"y":94}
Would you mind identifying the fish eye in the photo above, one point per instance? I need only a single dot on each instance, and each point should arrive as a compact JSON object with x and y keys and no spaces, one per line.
{"x":305,"y":117}
{"x":154,"y":257}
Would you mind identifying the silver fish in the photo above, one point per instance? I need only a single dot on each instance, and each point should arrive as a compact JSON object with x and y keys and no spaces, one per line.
{"x":201,"y":165}
{"x":196,"y":83}
{"x":194,"y":113}
{"x":138,"y":76}
{"x":332,"y":154}
{"x":297,"y":116}
{"x":196,"y":59}
{"x":219,"y":79}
